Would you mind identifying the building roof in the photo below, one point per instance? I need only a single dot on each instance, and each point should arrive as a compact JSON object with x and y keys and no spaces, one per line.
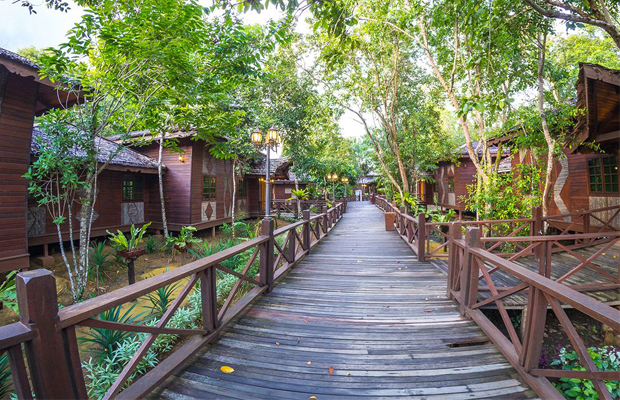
{"x":125,"y":157}
{"x":366,"y":180}
{"x":260,"y":167}
{"x":48,"y":95}
{"x":505,"y":165}
{"x":146,"y":135}
{"x":462,"y":149}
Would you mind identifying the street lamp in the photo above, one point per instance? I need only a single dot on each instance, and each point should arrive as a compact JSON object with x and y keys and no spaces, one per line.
{"x":333,"y":178}
{"x":345,"y":180}
{"x":271,"y":141}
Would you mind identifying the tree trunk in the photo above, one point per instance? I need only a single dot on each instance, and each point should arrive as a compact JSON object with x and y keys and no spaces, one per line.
{"x":550,"y":141}
{"x":160,"y":177}
{"x":234,"y":196}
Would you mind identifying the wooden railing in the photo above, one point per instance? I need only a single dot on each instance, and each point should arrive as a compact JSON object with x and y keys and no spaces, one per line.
{"x":49,"y":334}
{"x":510,"y":237}
{"x":468,"y":262}
{"x":290,"y":206}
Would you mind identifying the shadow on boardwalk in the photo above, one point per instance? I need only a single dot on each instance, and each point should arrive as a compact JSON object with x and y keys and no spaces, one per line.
{"x":361,"y":304}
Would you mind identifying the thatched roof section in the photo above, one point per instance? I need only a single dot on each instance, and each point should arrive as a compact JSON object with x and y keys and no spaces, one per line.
{"x":124,"y":157}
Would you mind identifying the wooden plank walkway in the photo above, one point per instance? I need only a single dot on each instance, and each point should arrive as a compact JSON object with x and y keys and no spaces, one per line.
{"x":372,"y":312}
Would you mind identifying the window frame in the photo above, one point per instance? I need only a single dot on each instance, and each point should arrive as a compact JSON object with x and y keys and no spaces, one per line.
{"x":137,"y":188}
{"x":451,"y":182}
{"x":242,"y":189}
{"x":213,"y":186}
{"x":603,"y":177}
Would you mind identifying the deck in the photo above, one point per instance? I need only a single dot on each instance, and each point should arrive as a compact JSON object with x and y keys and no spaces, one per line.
{"x":371,"y":322}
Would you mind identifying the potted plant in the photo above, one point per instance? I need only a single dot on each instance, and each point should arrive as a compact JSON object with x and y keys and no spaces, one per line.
{"x":128,"y":248}
{"x":183,"y":242}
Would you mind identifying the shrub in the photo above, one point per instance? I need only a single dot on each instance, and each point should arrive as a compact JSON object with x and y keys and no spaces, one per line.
{"x":184,"y":241}
{"x":121,"y":242}
{"x":106,"y":340}
{"x":8,"y":294}
{"x":160,"y":299}
{"x":606,"y":358}
{"x":151,"y":246}
{"x":6,"y":383}
{"x":100,"y":262}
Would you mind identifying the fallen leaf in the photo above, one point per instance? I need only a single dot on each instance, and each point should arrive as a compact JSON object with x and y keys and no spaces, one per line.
{"x":428,"y":310}
{"x":399,"y":269}
{"x":226,"y":369}
{"x":309,"y":363}
{"x":330,"y":370}
{"x":348,"y":373}
{"x":277,"y":343}
{"x":312,"y":397}
{"x":306,"y":320}
{"x":359,"y":260}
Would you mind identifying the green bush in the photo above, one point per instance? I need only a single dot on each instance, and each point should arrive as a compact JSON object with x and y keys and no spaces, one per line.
{"x":8,"y":294}
{"x":606,"y":358}
{"x":150,"y":245}
{"x":6,"y":383}
{"x":100,"y":262}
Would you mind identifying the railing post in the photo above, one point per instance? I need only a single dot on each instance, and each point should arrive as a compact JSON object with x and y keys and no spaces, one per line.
{"x":454,"y":233}
{"x":421,"y":236}
{"x":324,"y":220}
{"x":49,"y":361}
{"x":344,"y":206}
{"x":401,"y":222}
{"x":537,"y":223}
{"x":208,"y":295}
{"x":306,"y":233}
{"x":586,"y":222}
{"x":266,"y":254}
{"x":469,"y":276}
{"x":290,"y":250}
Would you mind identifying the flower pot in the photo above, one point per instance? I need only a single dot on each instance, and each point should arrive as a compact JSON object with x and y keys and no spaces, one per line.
{"x":130,"y":254}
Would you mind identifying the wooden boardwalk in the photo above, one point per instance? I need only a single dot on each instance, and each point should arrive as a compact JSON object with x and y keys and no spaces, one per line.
{"x":371,"y":322}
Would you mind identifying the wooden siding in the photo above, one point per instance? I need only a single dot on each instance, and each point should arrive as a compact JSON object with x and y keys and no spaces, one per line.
{"x":16,"y":120}
{"x":463,"y":175}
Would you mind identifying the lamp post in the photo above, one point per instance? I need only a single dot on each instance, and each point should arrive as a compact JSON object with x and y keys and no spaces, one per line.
{"x":345,"y":180}
{"x":271,"y":141}
{"x":333,"y":178}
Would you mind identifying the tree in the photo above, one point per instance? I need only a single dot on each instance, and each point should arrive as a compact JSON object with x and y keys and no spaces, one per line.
{"x":118,"y":64}
{"x":603,"y":14}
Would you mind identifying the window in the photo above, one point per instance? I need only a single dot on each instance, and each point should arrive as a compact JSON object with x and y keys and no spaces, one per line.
{"x":241,"y":189}
{"x":603,"y":175}
{"x":208,"y":187}
{"x":132,"y":187}
{"x":450,"y":184}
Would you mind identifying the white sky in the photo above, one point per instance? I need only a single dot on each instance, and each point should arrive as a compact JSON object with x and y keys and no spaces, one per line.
{"x":47,"y":28}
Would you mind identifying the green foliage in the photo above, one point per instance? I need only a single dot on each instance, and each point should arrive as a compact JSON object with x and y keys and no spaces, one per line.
{"x":121,"y":242}
{"x":106,"y":341}
{"x":150,"y":245}
{"x":100,"y":261}
{"x":184,"y":241}
{"x":605,"y":358}
{"x":8,"y":294}
{"x":162,"y":298}
{"x":298,"y":194}
{"x":438,"y":216}
{"x":510,"y":195}
{"x":243,"y":230}
{"x":6,"y":382}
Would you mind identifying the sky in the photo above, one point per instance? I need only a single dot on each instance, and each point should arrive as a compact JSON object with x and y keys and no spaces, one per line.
{"x":47,"y":28}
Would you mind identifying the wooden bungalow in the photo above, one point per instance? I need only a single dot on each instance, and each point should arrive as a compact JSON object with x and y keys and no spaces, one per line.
{"x":23,"y":95}
{"x":451,"y":179}
{"x":127,"y":194}
{"x":198,"y":187}
{"x":587,"y":177}
{"x":284,"y":180}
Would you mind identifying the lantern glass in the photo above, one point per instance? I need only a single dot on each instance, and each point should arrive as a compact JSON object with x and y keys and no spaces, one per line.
{"x":273,"y":135}
{"x":257,"y":137}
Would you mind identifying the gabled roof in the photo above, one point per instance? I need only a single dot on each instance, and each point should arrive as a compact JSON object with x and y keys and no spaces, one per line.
{"x":462,"y":149}
{"x":125,"y":157}
{"x":146,"y":135}
{"x":48,"y":96}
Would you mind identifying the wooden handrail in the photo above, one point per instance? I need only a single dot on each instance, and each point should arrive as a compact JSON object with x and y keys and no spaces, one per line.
{"x":50,"y":334}
{"x":549,"y":238}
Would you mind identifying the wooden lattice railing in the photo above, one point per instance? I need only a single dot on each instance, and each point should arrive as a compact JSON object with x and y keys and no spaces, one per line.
{"x":49,"y":334}
{"x":290,"y":206}
{"x":469,"y":261}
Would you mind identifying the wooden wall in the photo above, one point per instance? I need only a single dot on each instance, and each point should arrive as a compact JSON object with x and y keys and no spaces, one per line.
{"x":17,"y":102}
{"x":463,"y":176}
{"x":280,"y":190}
{"x":108,"y":209}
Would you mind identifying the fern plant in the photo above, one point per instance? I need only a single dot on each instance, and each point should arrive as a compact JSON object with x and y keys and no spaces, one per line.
{"x":107,"y":340}
{"x":6,"y":382}
{"x":161,"y":299}
{"x":100,"y":262}
{"x":121,"y":242}
{"x":8,"y":294}
{"x":150,"y":245}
